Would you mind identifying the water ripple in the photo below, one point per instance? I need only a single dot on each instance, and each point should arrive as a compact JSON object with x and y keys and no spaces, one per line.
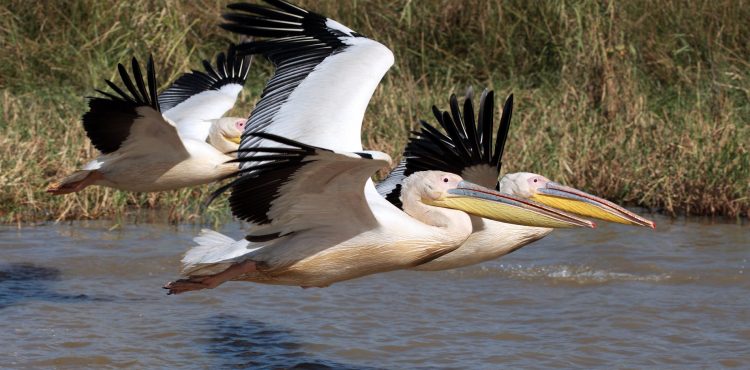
{"x":580,"y":274}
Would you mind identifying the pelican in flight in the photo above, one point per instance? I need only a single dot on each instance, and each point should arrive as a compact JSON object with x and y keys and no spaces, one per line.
{"x":316,"y":216}
{"x":315,"y":222}
{"x":155,"y":143}
{"x":466,"y":149}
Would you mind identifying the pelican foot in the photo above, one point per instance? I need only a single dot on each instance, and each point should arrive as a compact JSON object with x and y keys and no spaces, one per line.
{"x":187,"y":285}
{"x":75,"y":182}
{"x":58,"y":188}
{"x":211,"y":281}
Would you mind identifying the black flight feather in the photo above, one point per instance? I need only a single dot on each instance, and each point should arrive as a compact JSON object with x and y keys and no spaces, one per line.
{"x":230,"y":69}
{"x":297,"y":41}
{"x":473,"y":137}
{"x":257,"y":184}
{"x":266,"y":12}
{"x":502,"y":133}
{"x":467,"y":142}
{"x":138,"y":77}
{"x":486,"y":112}
{"x":110,"y":118}
{"x":125,"y":77}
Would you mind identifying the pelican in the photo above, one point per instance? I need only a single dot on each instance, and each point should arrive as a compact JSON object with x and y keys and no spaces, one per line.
{"x":315,"y":224}
{"x":317,"y":217}
{"x":467,"y":150}
{"x":224,"y":134}
{"x":154,"y":143}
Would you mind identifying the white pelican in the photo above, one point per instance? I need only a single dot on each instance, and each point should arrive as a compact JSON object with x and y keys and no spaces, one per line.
{"x":144,"y":149}
{"x":318,"y":218}
{"x":314,"y":221}
{"x":467,"y":149}
{"x":225,"y":133}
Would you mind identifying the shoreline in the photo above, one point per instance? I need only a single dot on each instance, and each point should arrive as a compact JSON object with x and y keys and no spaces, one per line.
{"x":222,"y":216}
{"x":653,"y":114}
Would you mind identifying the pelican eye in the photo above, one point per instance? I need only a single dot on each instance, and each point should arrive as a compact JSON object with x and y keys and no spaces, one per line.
{"x":445,"y":179}
{"x":535,"y":180}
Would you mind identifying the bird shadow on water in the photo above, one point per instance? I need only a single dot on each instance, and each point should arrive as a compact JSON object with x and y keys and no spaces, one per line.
{"x":21,"y":282}
{"x":239,"y":342}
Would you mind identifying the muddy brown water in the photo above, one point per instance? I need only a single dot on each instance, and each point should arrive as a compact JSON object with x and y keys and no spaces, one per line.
{"x":83,"y":296}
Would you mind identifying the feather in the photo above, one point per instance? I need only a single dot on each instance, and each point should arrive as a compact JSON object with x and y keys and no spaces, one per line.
{"x":468,"y":142}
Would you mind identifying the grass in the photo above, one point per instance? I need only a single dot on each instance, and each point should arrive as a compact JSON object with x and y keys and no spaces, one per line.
{"x":644,"y":105}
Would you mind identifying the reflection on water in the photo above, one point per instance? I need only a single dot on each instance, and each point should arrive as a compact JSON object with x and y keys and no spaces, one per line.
{"x":26,"y":281}
{"x":84,"y":295}
{"x":246,"y":343}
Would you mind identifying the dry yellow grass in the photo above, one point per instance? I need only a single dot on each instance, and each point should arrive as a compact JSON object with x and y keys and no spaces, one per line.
{"x":645,"y":105}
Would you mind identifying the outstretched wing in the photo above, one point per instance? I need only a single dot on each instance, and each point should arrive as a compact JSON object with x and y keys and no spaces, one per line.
{"x":131,"y":119}
{"x":283,"y":190}
{"x":464,"y":146}
{"x":325,"y":75}
{"x":197,"y":97}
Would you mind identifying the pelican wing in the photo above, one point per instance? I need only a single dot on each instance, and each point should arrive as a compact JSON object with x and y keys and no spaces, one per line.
{"x":302,"y":187}
{"x":197,"y":97}
{"x":464,"y":146}
{"x":325,"y":75}
{"x":131,"y":120}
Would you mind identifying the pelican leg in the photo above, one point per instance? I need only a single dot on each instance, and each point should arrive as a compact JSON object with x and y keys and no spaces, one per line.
{"x":211,"y":281}
{"x":75,"y":182}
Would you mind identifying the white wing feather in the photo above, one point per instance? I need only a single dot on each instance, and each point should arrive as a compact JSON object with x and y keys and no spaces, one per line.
{"x":328,"y":106}
{"x":191,"y":116}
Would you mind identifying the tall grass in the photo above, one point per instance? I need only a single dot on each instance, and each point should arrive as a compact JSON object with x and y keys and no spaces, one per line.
{"x":640,"y":103}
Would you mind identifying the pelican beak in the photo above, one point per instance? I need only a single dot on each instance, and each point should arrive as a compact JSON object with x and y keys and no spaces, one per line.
{"x":584,"y":204}
{"x":480,"y":201}
{"x":234,"y":139}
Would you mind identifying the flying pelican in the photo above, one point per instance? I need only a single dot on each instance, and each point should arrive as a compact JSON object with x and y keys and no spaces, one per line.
{"x":151,"y":143}
{"x":224,"y":134}
{"x":467,"y":150}
{"x":317,"y":216}
{"x":314,"y":221}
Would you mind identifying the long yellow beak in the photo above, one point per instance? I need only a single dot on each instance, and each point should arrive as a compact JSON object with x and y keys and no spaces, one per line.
{"x":480,"y":201}
{"x":584,"y":204}
{"x":234,"y":139}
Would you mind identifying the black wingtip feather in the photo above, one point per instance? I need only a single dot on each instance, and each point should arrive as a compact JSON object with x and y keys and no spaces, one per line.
{"x":125,"y":78}
{"x":138,"y":77}
{"x":230,"y":68}
{"x":264,"y":11}
{"x":456,"y":116}
{"x":123,"y":95}
{"x":473,"y":136}
{"x":256,"y":185}
{"x":109,"y":118}
{"x":463,"y":145}
{"x":293,"y":9}
{"x":502,"y":133}
{"x":486,"y":123}
{"x":151,"y":71}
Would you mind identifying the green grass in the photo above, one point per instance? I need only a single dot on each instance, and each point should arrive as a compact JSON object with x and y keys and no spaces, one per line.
{"x":642,"y":104}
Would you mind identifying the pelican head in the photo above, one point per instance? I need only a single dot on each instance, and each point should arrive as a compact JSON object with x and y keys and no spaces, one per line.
{"x":225,"y":133}
{"x":543,"y":190}
{"x":448,"y":190}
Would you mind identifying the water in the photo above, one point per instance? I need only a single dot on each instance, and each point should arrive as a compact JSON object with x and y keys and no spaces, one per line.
{"x":83,"y":296}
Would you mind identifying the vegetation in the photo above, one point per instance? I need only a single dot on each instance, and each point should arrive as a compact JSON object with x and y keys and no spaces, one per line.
{"x":642,"y":104}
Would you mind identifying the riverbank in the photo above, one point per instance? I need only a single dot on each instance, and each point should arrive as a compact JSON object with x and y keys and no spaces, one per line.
{"x":642,"y":105}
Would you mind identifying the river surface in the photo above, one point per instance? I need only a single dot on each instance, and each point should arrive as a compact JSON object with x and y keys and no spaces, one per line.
{"x":87,"y":295}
